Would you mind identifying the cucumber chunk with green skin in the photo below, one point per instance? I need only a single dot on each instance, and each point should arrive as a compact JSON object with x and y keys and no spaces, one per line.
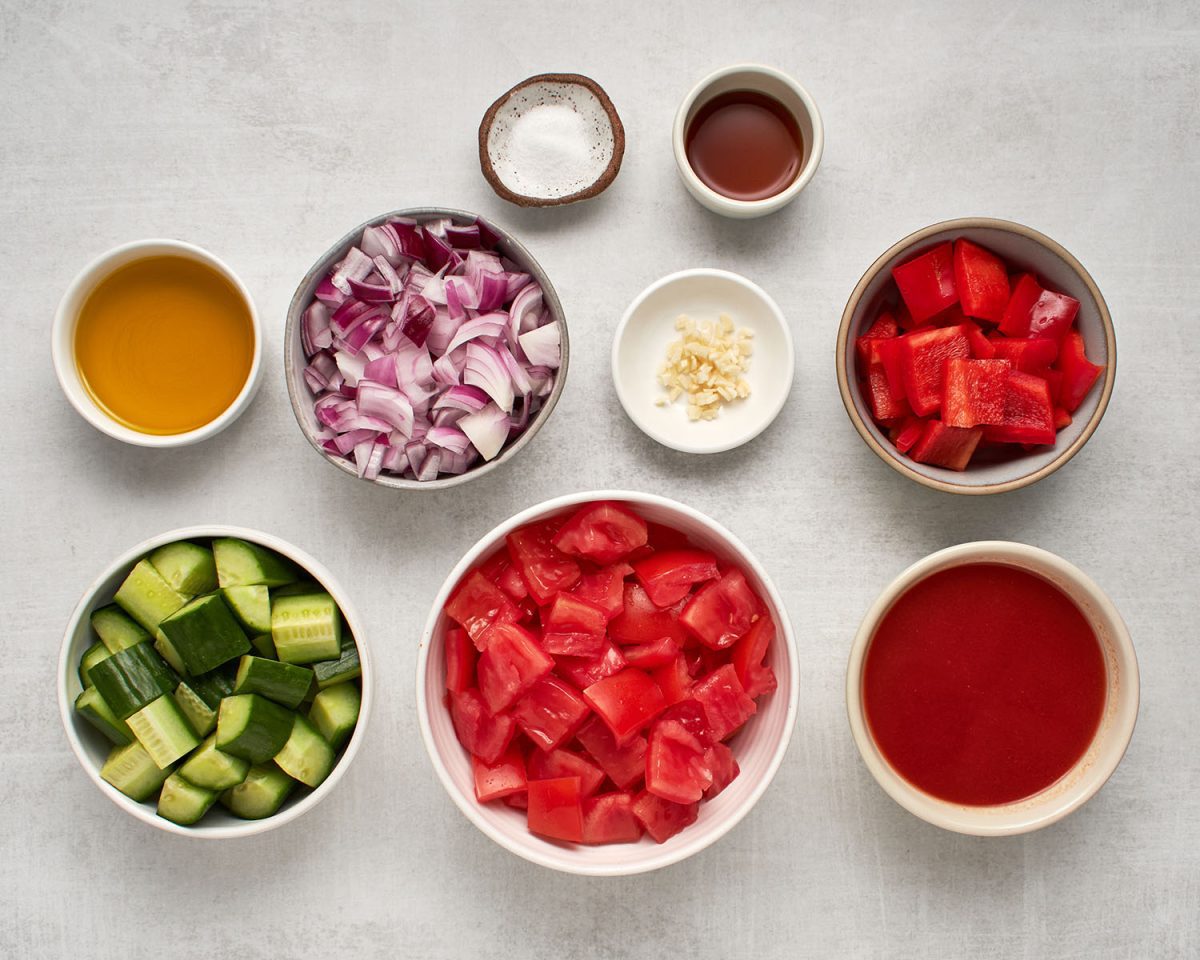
{"x":166,"y":650}
{"x":91,"y":656}
{"x":335,"y":711}
{"x":183,"y":802}
{"x":131,"y":679}
{"x":214,"y":686}
{"x":131,"y":771}
{"x":251,"y":605}
{"x":147,"y":597}
{"x":307,"y":628}
{"x":264,"y":646}
{"x":261,"y":794}
{"x":163,"y":730}
{"x":345,"y":667}
{"x":205,"y":634}
{"x":244,"y":564}
{"x":298,"y":588}
{"x":253,"y":727}
{"x":214,"y":769}
{"x":116,"y":629}
{"x":188,"y":567}
{"x":91,"y":707}
{"x":285,"y":683}
{"x":200,"y":715}
{"x":307,"y":756}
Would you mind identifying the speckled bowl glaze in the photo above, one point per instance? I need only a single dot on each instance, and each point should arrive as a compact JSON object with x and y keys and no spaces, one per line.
{"x":1019,"y":246}
{"x":587,"y":98}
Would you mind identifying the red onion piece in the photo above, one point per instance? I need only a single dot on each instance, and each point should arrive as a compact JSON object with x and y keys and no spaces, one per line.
{"x":487,"y":430}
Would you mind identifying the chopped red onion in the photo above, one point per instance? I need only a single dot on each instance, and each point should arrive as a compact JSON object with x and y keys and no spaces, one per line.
{"x":487,"y":430}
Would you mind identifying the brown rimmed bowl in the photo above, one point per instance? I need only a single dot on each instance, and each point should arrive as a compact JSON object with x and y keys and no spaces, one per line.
{"x":1026,"y":249}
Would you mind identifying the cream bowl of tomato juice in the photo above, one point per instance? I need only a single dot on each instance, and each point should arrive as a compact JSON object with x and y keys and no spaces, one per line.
{"x":607,"y":683}
{"x":992,"y":688}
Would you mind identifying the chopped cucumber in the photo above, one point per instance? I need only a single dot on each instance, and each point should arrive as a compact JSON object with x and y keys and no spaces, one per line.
{"x":251,"y":605}
{"x":132,"y":678}
{"x":91,"y":656}
{"x":131,"y":771}
{"x":205,"y":634}
{"x":243,"y":564}
{"x":147,"y":597}
{"x":200,"y":715}
{"x":99,"y":714}
{"x":166,"y":650}
{"x":261,"y":794}
{"x":214,"y":769}
{"x":345,"y":667}
{"x":116,"y":629}
{"x":335,"y":712}
{"x":306,"y":628}
{"x":253,"y":727}
{"x":264,"y":646}
{"x":163,"y":730}
{"x":188,"y":567}
{"x":214,"y":686}
{"x":298,"y":588}
{"x":183,"y":802}
{"x":307,"y":756}
{"x":284,"y":683}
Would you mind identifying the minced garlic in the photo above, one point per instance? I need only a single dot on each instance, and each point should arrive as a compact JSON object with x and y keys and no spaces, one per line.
{"x":706,"y":363}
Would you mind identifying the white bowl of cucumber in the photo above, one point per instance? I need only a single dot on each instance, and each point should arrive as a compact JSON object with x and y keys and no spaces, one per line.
{"x":213,"y":682}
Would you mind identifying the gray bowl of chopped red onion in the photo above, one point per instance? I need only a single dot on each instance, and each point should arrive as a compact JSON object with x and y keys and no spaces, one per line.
{"x":425,"y":348}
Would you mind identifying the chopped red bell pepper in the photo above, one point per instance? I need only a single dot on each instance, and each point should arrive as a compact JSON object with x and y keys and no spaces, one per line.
{"x":926,"y":282}
{"x":908,"y":433}
{"x":1028,"y":412}
{"x":1061,"y":418}
{"x":1078,"y":372}
{"x":884,"y":328}
{"x":975,"y":392}
{"x":943,"y":446}
{"x":1028,"y":356}
{"x":981,"y":280}
{"x":981,"y":347}
{"x":1034,"y":311}
{"x":923,"y":356}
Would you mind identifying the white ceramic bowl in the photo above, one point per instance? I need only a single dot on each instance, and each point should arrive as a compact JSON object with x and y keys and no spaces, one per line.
{"x":648,"y":326}
{"x":776,"y":84}
{"x":91,"y":748}
{"x":759,"y":747}
{"x":62,"y":343}
{"x":1089,"y":773}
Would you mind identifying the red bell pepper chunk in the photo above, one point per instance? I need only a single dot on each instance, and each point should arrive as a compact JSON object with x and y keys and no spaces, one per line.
{"x":552,"y":764}
{"x":500,"y":779}
{"x":583,"y":672}
{"x":725,"y":702}
{"x":460,"y":660}
{"x":724,"y":768}
{"x":510,"y":664}
{"x":884,"y":328}
{"x":626,"y":701}
{"x":555,"y":809}
{"x":1078,"y":372}
{"x":908,"y":433}
{"x":981,"y":347}
{"x":550,"y":712}
{"x":927,"y":282}
{"x":1034,"y":311}
{"x":981,"y":280}
{"x":482,"y":734}
{"x":677,"y":766}
{"x":544,"y":568}
{"x":662,"y":818}
{"x":478,"y":603}
{"x":923,"y":356}
{"x":625,"y":763}
{"x":1028,"y":412}
{"x":975,"y":392}
{"x":944,"y":446}
{"x":605,"y":589}
{"x":609,"y":818}
{"x":1061,"y":418}
{"x":669,"y":575}
{"x":573,"y":628}
{"x":1028,"y":356}
{"x":602,"y":533}
{"x":883,"y":404}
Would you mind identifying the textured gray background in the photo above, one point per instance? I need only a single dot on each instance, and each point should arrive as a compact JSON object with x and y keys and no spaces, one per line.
{"x":263,"y":131}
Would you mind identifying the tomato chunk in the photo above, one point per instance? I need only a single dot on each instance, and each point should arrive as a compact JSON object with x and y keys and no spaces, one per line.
{"x":651,"y":656}
{"x":500,"y":779}
{"x":550,"y":712}
{"x":573,"y":628}
{"x":674,"y":680}
{"x":478,"y":603}
{"x":981,"y":280}
{"x":555,"y":809}
{"x":482,"y":733}
{"x":460,"y":660}
{"x":626,"y":701}
{"x":602,"y":533}
{"x":605,"y":589}
{"x":668,"y":576}
{"x":926,"y":282}
{"x":662,"y":818}
{"x":625,"y":763}
{"x":725,"y":703}
{"x":510,"y":664}
{"x":750,"y":652}
{"x":724,"y":768}
{"x":677,"y":767}
{"x":545,"y":569}
{"x":722,"y":611}
{"x":583,"y":672}
{"x":609,"y":818}
{"x":642,"y":622}
{"x":549,"y":765}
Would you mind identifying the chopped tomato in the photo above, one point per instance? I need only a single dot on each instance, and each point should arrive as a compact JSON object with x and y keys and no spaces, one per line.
{"x":662,"y":818}
{"x":555,"y":810}
{"x":518,"y":801}
{"x":665,"y":538}
{"x":722,"y":611}
{"x":605,"y":589}
{"x":481,"y":733}
{"x":724,"y":768}
{"x":602,"y":533}
{"x":624,"y":763}
{"x":751,"y":650}
{"x":761,"y":681}
{"x":510,"y":664}
{"x":544,"y":568}
{"x":725,"y":703}
{"x":676,"y":762}
{"x":573,"y":628}
{"x":460,"y":660}
{"x":626,"y":701}
{"x":668,"y":576}
{"x":674,"y":680}
{"x":549,"y":765}
{"x":511,"y":583}
{"x":500,"y":779}
{"x":583,"y":672}
{"x":642,"y":622}
{"x":609,"y":818}
{"x":550,"y":712}
{"x":478,"y":603}
{"x":651,"y":656}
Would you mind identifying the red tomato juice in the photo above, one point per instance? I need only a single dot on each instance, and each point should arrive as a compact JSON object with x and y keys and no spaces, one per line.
{"x":983,"y":684}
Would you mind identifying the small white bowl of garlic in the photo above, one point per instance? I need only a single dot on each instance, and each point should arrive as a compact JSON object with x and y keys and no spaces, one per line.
{"x":703,"y":360}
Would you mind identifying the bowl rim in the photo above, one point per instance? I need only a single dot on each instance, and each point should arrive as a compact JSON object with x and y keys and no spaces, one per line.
{"x":470,"y":807}
{"x":844,"y":343}
{"x":62,"y":342}
{"x":90,"y":600}
{"x":292,"y":377}
{"x":631,"y":409}
{"x":597,"y":187}
{"x":730,"y":206}
{"x":960,"y":818}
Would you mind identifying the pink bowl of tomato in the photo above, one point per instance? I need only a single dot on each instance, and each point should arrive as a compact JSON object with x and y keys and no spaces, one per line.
{"x":607,"y":683}
{"x":976,"y":356}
